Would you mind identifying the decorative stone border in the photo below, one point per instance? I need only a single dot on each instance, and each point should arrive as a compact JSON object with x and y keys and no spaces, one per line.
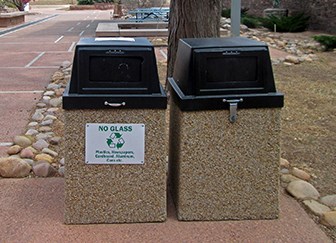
{"x":296,"y":183}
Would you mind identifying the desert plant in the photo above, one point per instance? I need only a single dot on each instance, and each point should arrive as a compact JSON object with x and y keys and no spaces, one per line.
{"x":329,"y":41}
{"x":295,"y":23}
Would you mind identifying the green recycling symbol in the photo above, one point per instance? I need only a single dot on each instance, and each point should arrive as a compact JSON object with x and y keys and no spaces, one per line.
{"x":115,"y":140}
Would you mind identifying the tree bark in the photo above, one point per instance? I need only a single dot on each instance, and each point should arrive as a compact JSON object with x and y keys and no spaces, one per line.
{"x":191,"y":19}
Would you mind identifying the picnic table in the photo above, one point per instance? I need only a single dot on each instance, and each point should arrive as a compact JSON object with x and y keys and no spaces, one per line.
{"x":142,"y":14}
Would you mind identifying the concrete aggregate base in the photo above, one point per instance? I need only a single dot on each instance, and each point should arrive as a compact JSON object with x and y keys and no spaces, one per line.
{"x":115,"y":193}
{"x":221,"y":170}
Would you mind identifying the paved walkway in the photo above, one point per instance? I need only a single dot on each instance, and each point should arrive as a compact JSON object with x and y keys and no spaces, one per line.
{"x":31,"y":210}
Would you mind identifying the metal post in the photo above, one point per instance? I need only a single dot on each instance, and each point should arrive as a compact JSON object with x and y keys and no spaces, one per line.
{"x":235,"y":17}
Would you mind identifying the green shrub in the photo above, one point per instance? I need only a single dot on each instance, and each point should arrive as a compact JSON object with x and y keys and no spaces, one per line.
{"x":295,"y":23}
{"x":329,"y":41}
{"x":250,"y":21}
{"x":226,"y":12}
{"x":84,"y":2}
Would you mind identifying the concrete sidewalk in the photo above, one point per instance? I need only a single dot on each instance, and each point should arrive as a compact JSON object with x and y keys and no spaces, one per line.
{"x":32,"y":211}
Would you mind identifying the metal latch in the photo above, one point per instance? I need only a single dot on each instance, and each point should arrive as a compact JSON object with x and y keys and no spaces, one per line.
{"x":233,"y":108}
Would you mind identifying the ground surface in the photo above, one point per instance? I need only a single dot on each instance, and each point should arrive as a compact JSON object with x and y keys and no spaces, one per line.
{"x":29,"y":58}
{"x":309,"y":120}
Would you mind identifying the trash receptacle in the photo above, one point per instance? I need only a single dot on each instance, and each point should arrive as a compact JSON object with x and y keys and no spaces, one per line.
{"x":115,"y":134}
{"x":224,"y":145}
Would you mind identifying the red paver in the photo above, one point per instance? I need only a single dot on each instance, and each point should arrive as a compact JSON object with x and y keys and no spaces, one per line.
{"x":15,"y":111}
{"x":53,"y":59}
{"x":36,"y":46}
{"x":20,"y":79}
{"x":14,"y":59}
{"x":32,"y":211}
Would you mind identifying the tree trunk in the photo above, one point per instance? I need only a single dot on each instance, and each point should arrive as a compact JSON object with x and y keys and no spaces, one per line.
{"x":191,"y":19}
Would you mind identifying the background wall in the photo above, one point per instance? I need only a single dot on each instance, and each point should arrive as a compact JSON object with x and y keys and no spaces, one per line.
{"x":321,"y":12}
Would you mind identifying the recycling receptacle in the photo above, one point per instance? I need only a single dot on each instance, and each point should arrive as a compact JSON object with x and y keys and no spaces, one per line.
{"x":115,"y":134}
{"x":224,"y":141}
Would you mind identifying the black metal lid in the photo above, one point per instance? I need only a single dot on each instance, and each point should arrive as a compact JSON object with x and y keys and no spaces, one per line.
{"x":220,"y":102}
{"x":114,"y":101}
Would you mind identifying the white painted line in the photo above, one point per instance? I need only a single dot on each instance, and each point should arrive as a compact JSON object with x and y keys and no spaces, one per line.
{"x":69,"y":30}
{"x":21,"y":92}
{"x":72,"y":47}
{"x":81,"y":33}
{"x":78,"y":23}
{"x":88,"y":26}
{"x":164,"y":54}
{"x":5,"y":144}
{"x":44,"y":67}
{"x":35,"y":59}
{"x":59,"y":39}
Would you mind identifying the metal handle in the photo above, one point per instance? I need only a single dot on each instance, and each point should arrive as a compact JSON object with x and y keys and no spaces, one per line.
{"x":233,"y":108}
{"x":115,"y":104}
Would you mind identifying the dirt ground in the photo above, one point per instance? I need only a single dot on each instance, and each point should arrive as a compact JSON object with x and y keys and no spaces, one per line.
{"x":309,"y":120}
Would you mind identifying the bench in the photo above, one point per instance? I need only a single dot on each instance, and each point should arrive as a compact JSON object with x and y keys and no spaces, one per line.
{"x":143,"y":29}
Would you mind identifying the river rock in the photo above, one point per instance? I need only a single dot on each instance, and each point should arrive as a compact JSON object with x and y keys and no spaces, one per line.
{"x":53,"y":86}
{"x":44,"y":157}
{"x":49,"y":93}
{"x":292,"y":59}
{"x":26,"y":153}
{"x":61,"y":171}
{"x":300,"y":174}
{"x":329,"y":200}
{"x":316,"y":207}
{"x":14,"y":149}
{"x":32,"y":124}
{"x":284,"y":163}
{"x":22,"y":141}
{"x":31,"y":132}
{"x":47,"y":122}
{"x":287,"y":178}
{"x":329,"y":218}
{"x":37,"y":116}
{"x":55,"y":140}
{"x":41,"y":105}
{"x":56,"y":102}
{"x":50,"y":152}
{"x":62,"y":161}
{"x":43,"y":136}
{"x":40,"y":144}
{"x":45,"y":129}
{"x":44,"y":170}
{"x":14,"y":168}
{"x":50,"y":117}
{"x":302,"y":190}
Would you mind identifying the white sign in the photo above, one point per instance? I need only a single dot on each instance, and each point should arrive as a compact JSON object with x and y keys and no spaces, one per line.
{"x":114,"y":143}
